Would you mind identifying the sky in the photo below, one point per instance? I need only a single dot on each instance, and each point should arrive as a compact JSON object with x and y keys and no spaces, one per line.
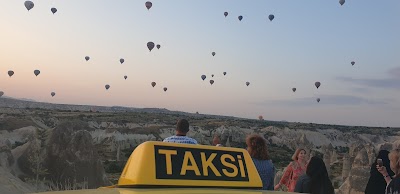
{"x":308,"y":41}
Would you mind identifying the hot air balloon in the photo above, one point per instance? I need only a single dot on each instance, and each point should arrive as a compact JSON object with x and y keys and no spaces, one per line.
{"x":1,"y":93}
{"x":317,"y":84}
{"x":213,"y":53}
{"x":211,"y":82}
{"x":352,"y":63}
{"x":87,"y":58}
{"x":125,"y":77}
{"x":260,"y":118}
{"x":225,"y":14}
{"x":203,"y":77}
{"x":10,"y":73}
{"x":53,"y":10}
{"x":52,"y":94}
{"x":158,"y":46}
{"x":121,"y":60}
{"x":294,"y":89}
{"x":212,"y":75}
{"x":153,"y":84}
{"x":29,"y":5}
{"x":271,"y":17}
{"x":341,"y":2}
{"x":165,"y":89}
{"x":247,"y":83}
{"x":224,"y":73}
{"x":150,"y":45}
{"x":107,"y":87}
{"x":148,"y":5}
{"x":36,"y":72}
{"x":318,"y":100}
{"x":240,"y":18}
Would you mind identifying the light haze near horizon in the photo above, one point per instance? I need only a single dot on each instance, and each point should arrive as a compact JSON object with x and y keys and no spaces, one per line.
{"x":308,"y":41}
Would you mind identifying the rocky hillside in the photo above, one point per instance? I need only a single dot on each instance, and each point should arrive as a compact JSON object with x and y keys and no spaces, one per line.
{"x":67,"y":144}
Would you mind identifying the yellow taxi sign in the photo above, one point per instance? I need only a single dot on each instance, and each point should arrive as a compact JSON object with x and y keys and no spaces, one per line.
{"x":184,"y":165}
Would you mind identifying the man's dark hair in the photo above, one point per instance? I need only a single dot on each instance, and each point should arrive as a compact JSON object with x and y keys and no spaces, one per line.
{"x":182,"y":126}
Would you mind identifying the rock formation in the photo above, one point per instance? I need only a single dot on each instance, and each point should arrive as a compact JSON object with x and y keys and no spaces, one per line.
{"x":346,"y":166}
{"x":72,"y":157}
{"x":358,"y":176}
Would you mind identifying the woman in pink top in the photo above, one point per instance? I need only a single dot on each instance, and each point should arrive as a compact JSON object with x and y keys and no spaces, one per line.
{"x":294,"y":170}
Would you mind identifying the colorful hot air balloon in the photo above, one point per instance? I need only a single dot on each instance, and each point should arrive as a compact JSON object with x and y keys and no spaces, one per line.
{"x":211,"y":82}
{"x":225,"y":14}
{"x":352,"y":63}
{"x":203,"y":77}
{"x":107,"y":87}
{"x":36,"y":72}
{"x":10,"y":73}
{"x":29,"y":5}
{"x":260,"y":118}
{"x":341,"y":2}
{"x":87,"y":58}
{"x":213,"y":53}
{"x":240,"y":18}
{"x":150,"y":45}
{"x":53,"y":10}
{"x":158,"y":46}
{"x":165,"y":89}
{"x":247,"y":83}
{"x":317,"y":84}
{"x":1,"y":93}
{"x":271,"y":17}
{"x":125,"y":77}
{"x":121,"y":60}
{"x":224,"y":73}
{"x":52,"y":94}
{"x":294,"y":89}
{"x":148,"y":5}
{"x":318,"y":99}
{"x":153,"y":84}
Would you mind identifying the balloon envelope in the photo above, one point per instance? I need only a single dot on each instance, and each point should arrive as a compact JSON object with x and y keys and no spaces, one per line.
{"x":158,"y":46}
{"x":240,"y":18}
{"x":211,"y":82}
{"x":212,"y":75}
{"x":247,"y":83}
{"x":153,"y":84}
{"x":150,"y":45}
{"x":36,"y":72}
{"x":107,"y":87}
{"x":203,"y":77}
{"x":213,"y":53}
{"x":125,"y":77}
{"x":352,"y":63}
{"x":294,"y":89}
{"x":225,"y":14}
{"x":271,"y":17}
{"x":29,"y":5}
{"x":53,"y":94}
{"x":341,"y":2}
{"x":224,"y":73}
{"x":318,"y":99}
{"x":1,"y":93}
{"x":10,"y":73}
{"x":317,"y":84}
{"x":121,"y":60}
{"x":87,"y":58}
{"x":165,"y":89}
{"x":53,"y":10}
{"x":148,"y":5}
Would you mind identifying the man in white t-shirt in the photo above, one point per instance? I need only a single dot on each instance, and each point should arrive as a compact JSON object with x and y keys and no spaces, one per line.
{"x":182,"y":127}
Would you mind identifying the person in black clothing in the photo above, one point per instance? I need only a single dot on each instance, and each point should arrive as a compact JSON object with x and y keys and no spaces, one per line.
{"x":316,"y":179}
{"x":393,"y":182}
{"x":376,"y":183}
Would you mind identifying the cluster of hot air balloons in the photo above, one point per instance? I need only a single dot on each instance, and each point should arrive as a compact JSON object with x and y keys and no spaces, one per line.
{"x":240,"y":17}
{"x":29,"y":5}
{"x":150,"y":46}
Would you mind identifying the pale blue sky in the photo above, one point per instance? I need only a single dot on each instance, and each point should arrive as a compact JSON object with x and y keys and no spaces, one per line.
{"x":307,"y":41}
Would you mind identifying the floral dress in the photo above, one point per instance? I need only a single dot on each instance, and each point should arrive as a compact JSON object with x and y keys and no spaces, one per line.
{"x":291,"y":174}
